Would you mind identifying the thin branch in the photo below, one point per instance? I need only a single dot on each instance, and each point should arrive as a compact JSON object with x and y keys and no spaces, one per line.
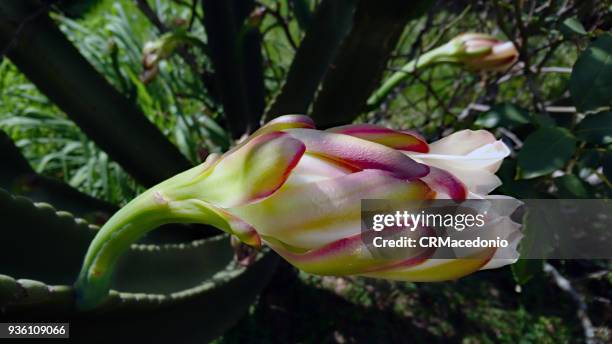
{"x":565,"y":285}
{"x":281,"y":21}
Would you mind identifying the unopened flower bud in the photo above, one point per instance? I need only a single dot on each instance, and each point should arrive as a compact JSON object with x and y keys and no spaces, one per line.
{"x":483,"y":52}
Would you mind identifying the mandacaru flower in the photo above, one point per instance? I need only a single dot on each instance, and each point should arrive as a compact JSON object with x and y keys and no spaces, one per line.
{"x":298,"y":190}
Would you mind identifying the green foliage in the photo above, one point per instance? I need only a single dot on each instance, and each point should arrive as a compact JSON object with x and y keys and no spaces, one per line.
{"x":504,"y":115}
{"x":591,"y":82}
{"x":596,"y":128}
{"x":572,"y":26}
{"x":544,"y":151}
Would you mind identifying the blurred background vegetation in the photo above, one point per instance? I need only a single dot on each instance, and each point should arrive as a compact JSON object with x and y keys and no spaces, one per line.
{"x":222,"y":67}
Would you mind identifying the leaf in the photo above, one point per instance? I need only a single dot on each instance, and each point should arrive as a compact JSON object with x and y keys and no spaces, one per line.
{"x":537,"y":228}
{"x":591,"y":80}
{"x":543,"y":120}
{"x":589,"y":159}
{"x":572,"y":27}
{"x":525,"y":269}
{"x":596,"y":128}
{"x":503,"y":115}
{"x":516,"y":188}
{"x":545,"y":150}
{"x":571,"y":187}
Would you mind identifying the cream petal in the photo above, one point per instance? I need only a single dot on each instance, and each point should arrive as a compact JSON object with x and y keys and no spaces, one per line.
{"x":480,"y":182}
{"x":461,"y":142}
{"x":311,"y":215}
{"x":487,"y":157}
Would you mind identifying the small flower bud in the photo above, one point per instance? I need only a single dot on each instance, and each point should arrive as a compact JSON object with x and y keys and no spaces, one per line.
{"x":483,"y":52}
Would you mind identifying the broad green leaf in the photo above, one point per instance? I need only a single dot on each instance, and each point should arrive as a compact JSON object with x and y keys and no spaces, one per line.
{"x":570,"y":186}
{"x":516,"y":188}
{"x":543,"y":120}
{"x":596,"y":128}
{"x":536,"y":229}
{"x":589,"y":159}
{"x":545,"y":151}
{"x":525,"y":269}
{"x":503,"y":115}
{"x":572,"y":27}
{"x":591,"y":80}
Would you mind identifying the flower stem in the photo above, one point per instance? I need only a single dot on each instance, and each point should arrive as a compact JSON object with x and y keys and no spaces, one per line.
{"x":443,"y":53}
{"x":175,"y":200}
{"x":126,"y":227}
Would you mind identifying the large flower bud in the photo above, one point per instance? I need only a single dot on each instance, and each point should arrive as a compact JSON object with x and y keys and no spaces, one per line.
{"x":299,"y":191}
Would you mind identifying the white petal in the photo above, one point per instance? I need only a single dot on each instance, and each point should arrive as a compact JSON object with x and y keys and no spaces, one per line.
{"x":487,"y":157}
{"x":461,"y":142}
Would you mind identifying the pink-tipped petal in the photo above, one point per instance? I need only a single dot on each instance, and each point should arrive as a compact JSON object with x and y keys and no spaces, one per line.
{"x":252,"y":172}
{"x":349,"y":256}
{"x":435,"y":270}
{"x":402,"y":140}
{"x":277,"y":125}
{"x":446,"y":183}
{"x":286,"y":122}
{"x":359,"y":153}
